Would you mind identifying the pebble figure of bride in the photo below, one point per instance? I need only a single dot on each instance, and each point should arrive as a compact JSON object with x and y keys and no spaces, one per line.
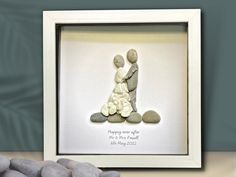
{"x":119,"y":101}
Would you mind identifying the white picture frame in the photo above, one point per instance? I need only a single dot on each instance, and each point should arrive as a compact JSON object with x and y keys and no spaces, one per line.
{"x":192,"y":17}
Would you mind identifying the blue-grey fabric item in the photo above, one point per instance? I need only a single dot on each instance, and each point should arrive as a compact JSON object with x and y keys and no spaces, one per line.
{"x":21,"y":96}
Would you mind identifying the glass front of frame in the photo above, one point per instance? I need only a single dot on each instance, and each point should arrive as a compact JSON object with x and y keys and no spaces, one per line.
{"x":85,"y":82}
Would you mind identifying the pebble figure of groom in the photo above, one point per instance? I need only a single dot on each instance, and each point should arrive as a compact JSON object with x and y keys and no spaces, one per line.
{"x":131,"y":77}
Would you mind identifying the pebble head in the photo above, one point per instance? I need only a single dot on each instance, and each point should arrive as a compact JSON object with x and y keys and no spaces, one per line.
{"x":119,"y":61}
{"x":132,"y":56}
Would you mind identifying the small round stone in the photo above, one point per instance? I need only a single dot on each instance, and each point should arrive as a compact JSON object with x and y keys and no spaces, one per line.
{"x":86,"y":170}
{"x":151,"y":117}
{"x":55,"y":170}
{"x":13,"y":173}
{"x":70,"y":164}
{"x":116,"y":118}
{"x":98,"y":117}
{"x":29,"y":168}
{"x":134,"y":118}
{"x":4,"y":164}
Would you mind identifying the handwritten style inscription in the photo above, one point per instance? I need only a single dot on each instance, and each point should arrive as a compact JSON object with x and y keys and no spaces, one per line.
{"x":123,"y":137}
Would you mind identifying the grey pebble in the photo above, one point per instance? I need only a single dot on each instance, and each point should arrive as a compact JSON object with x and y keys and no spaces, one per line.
{"x":110,"y":174}
{"x":4,"y":164}
{"x":133,"y":81}
{"x":70,"y":164}
{"x":116,"y":118}
{"x":30,"y":168}
{"x":55,"y":170}
{"x":13,"y":173}
{"x":151,"y":117}
{"x":47,"y":162}
{"x":98,"y":117}
{"x":119,"y":61}
{"x":86,"y":170}
{"x":132,"y":95}
{"x":134,"y":118}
